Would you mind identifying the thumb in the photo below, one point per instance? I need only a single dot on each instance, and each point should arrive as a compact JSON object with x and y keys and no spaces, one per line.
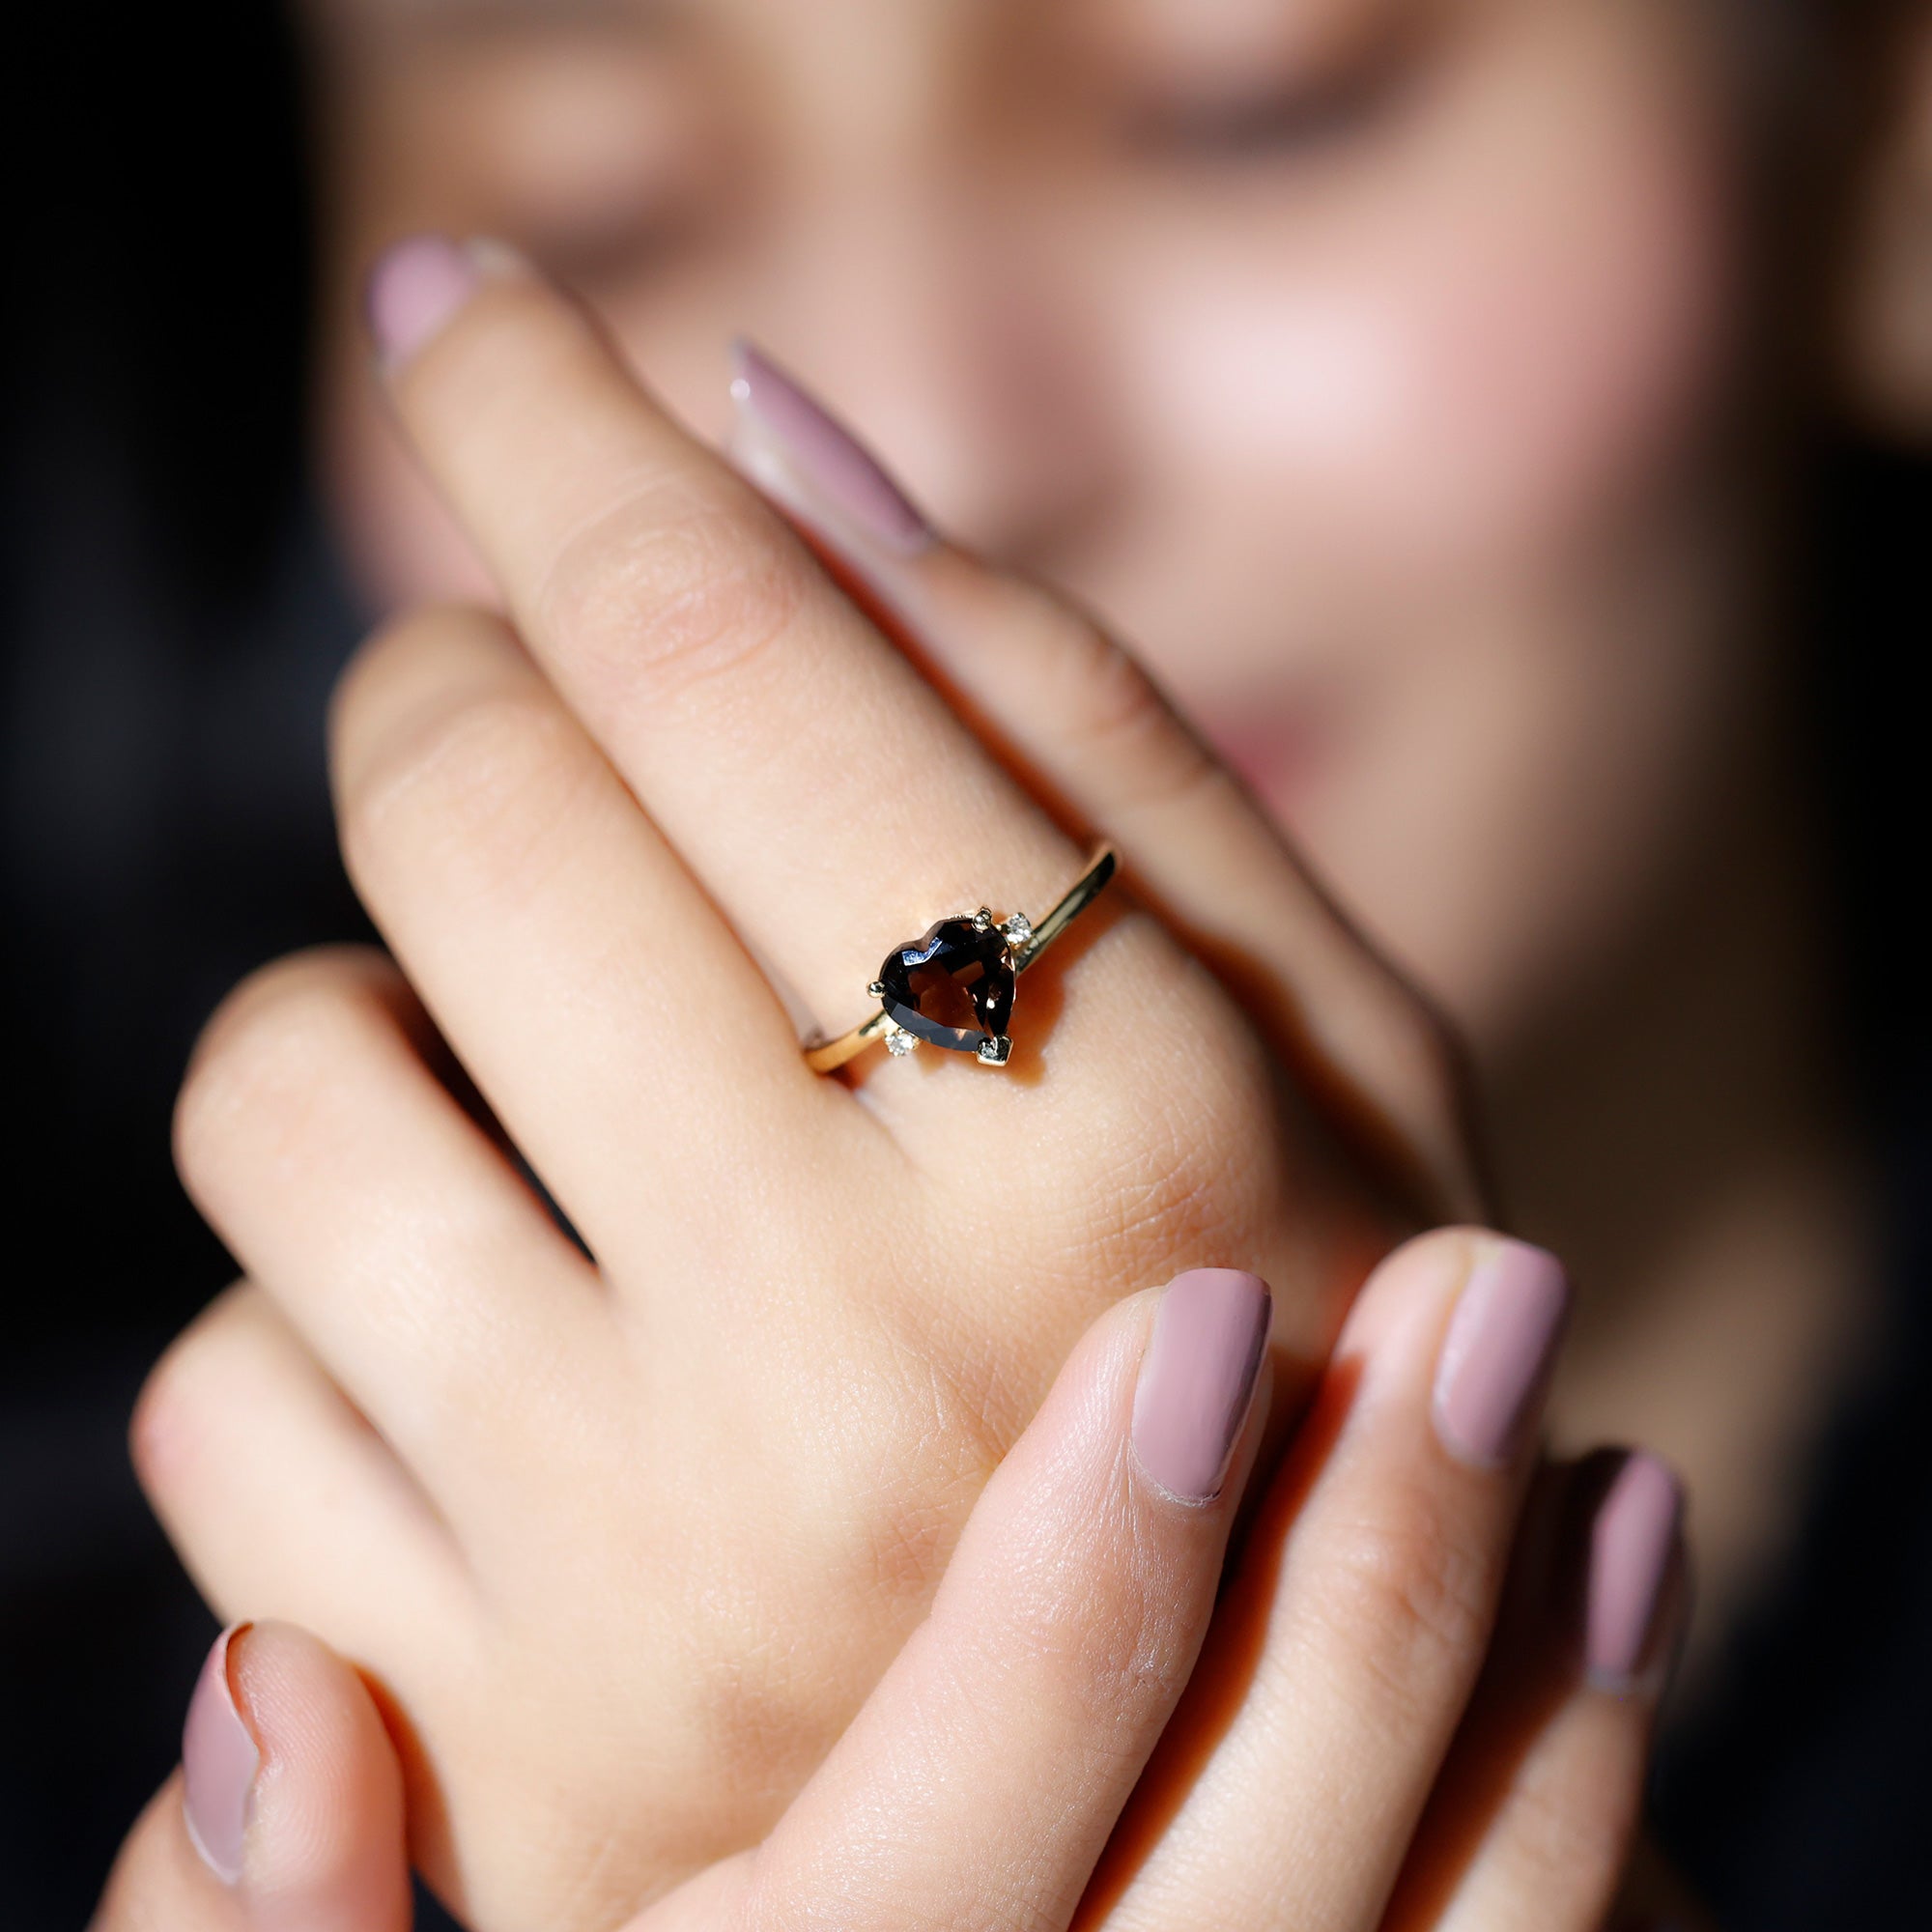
{"x":978,"y":1784}
{"x":287,"y":1812}
{"x":1089,"y":728}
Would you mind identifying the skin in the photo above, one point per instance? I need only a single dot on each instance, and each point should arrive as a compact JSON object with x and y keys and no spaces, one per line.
{"x":989,"y":1770}
{"x":1360,"y":446}
{"x":1313,"y":427}
{"x":1376,"y":367}
{"x":760,"y":1418}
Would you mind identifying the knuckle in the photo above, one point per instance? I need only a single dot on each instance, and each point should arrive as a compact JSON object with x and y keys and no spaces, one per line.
{"x":1191,"y":1175}
{"x":1121,"y":724}
{"x":1406,"y":1600}
{"x":669,"y":588}
{"x":154,"y":1429}
{"x":269,"y":1048}
{"x":182,"y":1390}
{"x":411,"y":663}
{"x":1423,"y":1054}
{"x":475,"y":784}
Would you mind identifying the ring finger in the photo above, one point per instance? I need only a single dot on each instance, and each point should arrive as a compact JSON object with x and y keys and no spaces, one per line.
{"x":817,"y":786}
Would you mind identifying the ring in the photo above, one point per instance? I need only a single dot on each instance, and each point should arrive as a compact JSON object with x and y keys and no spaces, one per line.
{"x":954,"y":985}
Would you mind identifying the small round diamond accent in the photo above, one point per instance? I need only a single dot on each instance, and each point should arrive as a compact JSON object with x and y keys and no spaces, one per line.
{"x":1018,"y":930}
{"x":898,"y":1044}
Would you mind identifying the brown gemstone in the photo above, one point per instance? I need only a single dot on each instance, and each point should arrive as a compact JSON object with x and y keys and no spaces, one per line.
{"x":953,"y":986}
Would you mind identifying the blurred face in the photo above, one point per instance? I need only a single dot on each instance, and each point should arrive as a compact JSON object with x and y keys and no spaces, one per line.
{"x":1357,"y":358}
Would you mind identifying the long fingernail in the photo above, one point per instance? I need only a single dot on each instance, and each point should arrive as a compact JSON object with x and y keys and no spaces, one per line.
{"x":417,"y":284}
{"x":1633,"y":1538}
{"x":1496,"y":1354}
{"x":219,"y":1760}
{"x":793,"y":448}
{"x":1198,"y":1378}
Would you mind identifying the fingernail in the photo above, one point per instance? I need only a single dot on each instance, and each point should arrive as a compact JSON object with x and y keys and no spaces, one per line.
{"x":420,"y":283}
{"x":800,"y":454}
{"x":1496,"y":1354}
{"x":1631,"y":1541}
{"x":1199,"y":1377}
{"x":219,"y":1760}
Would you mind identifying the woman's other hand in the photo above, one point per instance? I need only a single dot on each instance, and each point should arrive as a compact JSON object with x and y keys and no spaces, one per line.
{"x":1418,"y":1707}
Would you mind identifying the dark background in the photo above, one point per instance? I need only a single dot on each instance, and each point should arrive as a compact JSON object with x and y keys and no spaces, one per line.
{"x":171,"y":624}
{"x":171,"y":627}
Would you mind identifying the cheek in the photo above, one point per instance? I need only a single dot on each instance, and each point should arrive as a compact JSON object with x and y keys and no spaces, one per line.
{"x":1470,"y":369}
{"x":1561,"y":343}
{"x":1442,"y":425}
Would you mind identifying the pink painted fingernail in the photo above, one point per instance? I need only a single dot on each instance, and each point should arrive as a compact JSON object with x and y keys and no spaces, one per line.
{"x":1632,"y":1538}
{"x":1198,"y":1378}
{"x":793,"y":448}
{"x":1496,"y":1354}
{"x":418,"y":284}
{"x":219,"y":1760}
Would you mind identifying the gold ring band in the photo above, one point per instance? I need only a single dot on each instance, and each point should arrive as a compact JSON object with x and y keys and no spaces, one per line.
{"x":952,"y":987}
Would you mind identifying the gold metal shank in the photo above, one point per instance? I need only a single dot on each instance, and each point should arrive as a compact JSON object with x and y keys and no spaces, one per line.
{"x":824,"y":1056}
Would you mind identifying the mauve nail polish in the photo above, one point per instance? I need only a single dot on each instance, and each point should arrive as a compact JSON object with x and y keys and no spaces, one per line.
{"x":414,"y":288}
{"x":1632,"y":1542}
{"x":779,"y":424}
{"x":1496,"y":1353}
{"x":1198,"y":1378}
{"x":219,"y":1761}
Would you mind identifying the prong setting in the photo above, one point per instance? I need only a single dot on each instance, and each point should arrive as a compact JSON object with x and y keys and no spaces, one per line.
{"x":953,"y":986}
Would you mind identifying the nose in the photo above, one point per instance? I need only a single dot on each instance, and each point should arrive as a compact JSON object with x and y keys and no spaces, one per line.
{"x":926,"y":310}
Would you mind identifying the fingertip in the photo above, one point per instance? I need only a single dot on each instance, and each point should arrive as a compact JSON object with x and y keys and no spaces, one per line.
{"x":418,"y":284}
{"x":292,"y":1791}
{"x":1470,"y":1322}
{"x":1197,"y":1380}
{"x":220,"y":1760}
{"x":805,"y":459}
{"x":413,"y":288}
{"x":1497,"y":1353}
{"x":1638,"y":1599}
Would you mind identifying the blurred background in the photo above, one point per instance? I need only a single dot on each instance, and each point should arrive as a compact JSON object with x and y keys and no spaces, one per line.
{"x":172,"y":623}
{"x":1502,"y":424}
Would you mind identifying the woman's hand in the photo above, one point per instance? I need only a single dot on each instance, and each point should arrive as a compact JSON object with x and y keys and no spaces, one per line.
{"x":627,"y":1541}
{"x":1364,"y":1743}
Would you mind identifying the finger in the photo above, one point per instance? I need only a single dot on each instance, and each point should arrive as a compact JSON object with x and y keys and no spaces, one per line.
{"x":821,"y":789}
{"x":287,"y":1814}
{"x":1352,"y":1632}
{"x":980,"y":1782}
{"x":279,"y":1497}
{"x":1095,"y":733}
{"x":568,"y":956}
{"x":1536,"y":1813}
{"x":429,"y":1278}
